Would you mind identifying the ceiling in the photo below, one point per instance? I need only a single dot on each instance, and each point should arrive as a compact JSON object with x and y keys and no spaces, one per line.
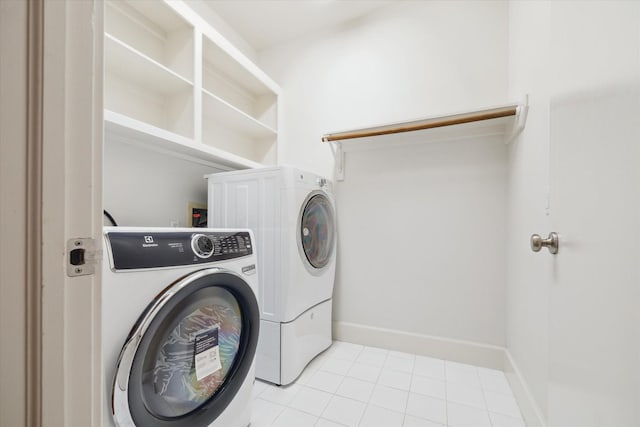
{"x":263,"y":23}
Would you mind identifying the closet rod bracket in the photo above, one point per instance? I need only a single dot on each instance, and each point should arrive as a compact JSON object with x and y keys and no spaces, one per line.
{"x":338,"y":155}
{"x":520,"y":119}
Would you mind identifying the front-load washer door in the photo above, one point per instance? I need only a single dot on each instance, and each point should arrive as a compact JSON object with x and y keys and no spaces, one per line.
{"x":317,"y":232}
{"x":188,"y":354}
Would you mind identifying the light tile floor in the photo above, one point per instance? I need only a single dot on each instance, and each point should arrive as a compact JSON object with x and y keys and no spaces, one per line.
{"x":357,"y":386}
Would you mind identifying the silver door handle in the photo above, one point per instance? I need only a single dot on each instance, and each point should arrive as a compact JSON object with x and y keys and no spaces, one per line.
{"x":550,"y":242}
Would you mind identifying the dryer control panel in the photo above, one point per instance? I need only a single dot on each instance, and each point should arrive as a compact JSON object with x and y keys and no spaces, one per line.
{"x":132,"y":250}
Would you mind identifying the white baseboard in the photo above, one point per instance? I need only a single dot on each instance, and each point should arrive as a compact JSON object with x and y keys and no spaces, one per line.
{"x":473,"y":353}
{"x":530,"y":409}
{"x":488,"y":356}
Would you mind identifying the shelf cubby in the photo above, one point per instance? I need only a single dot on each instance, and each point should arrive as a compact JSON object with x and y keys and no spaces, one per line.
{"x":172,"y":81}
{"x":146,"y":90}
{"x":154,"y":29}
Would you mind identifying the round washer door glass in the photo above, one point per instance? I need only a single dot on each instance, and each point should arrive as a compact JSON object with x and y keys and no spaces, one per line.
{"x":187,"y":364}
{"x":191,"y":351}
{"x":317,"y":231}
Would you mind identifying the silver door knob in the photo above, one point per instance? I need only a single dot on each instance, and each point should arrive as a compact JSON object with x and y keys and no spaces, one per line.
{"x":550,"y":242}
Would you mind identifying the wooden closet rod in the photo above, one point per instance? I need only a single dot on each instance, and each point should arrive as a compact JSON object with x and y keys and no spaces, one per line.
{"x":454,"y":119}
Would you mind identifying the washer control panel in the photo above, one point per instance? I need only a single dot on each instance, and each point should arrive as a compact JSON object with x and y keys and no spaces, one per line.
{"x":132,"y":250}
{"x":225,"y":246}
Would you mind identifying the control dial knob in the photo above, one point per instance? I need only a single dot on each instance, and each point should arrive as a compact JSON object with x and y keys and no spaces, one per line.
{"x":202,"y":245}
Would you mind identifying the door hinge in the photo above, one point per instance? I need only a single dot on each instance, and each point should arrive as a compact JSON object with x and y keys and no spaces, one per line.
{"x":83,"y":254}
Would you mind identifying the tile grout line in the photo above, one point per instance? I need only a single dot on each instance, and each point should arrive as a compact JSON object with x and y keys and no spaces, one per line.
{"x":365,"y":406}
{"x":386,"y":354}
{"x":484,"y":398}
{"x":404,"y":416}
{"x":446,"y":394}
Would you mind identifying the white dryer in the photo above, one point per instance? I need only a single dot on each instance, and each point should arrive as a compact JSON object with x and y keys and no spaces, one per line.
{"x":292,"y":215}
{"x":180,"y":324}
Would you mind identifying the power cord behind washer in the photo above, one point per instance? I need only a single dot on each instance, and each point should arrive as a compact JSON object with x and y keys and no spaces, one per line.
{"x":110,"y":218}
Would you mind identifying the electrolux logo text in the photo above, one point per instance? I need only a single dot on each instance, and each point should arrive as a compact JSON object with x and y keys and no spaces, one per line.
{"x":148,"y":242}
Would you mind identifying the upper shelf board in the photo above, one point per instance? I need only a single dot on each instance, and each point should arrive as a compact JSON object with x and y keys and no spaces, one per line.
{"x":160,"y":14}
{"x":124,"y":128}
{"x":228,"y":58}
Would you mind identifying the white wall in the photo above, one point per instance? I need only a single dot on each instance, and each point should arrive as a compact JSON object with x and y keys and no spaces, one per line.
{"x":147,"y":188}
{"x":421,"y":227}
{"x":421,"y":243}
{"x":408,"y":60}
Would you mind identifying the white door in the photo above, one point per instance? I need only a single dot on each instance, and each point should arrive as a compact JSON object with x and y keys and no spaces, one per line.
{"x":594,"y":312}
{"x":594,"y":325}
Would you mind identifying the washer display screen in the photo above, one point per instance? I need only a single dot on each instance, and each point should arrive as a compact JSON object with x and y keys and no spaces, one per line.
{"x":188,"y":360}
{"x":317,"y":231}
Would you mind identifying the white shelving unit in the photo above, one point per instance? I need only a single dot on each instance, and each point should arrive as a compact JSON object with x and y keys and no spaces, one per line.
{"x":172,"y":82}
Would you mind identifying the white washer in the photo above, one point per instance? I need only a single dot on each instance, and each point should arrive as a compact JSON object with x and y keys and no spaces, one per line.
{"x":292,"y":215}
{"x":180,"y":325}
